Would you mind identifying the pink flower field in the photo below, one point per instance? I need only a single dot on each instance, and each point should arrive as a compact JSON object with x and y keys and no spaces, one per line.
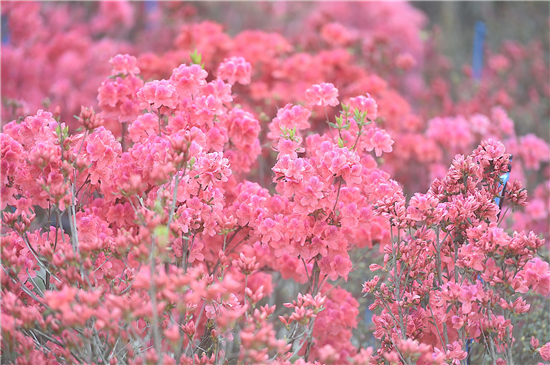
{"x":271,"y":183}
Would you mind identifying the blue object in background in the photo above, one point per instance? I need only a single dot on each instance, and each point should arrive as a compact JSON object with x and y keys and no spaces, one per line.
{"x":503,"y":181}
{"x":151,"y":5}
{"x":5,"y":31}
{"x":368,"y":316}
{"x":477,"y":52}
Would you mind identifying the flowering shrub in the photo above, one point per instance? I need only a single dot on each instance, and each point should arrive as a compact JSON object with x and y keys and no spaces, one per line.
{"x":367,"y":43}
{"x":165,"y":252}
{"x":210,"y":211}
{"x":453,"y":274}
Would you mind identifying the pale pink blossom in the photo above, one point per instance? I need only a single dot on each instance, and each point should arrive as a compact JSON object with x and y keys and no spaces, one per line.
{"x":235,"y":69}
{"x":322,"y":94}
{"x":156,"y":94}
{"x":188,"y":79}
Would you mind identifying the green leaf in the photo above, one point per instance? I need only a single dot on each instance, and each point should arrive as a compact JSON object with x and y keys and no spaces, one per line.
{"x":158,"y":207}
{"x":161,"y":232}
{"x":196,"y":58}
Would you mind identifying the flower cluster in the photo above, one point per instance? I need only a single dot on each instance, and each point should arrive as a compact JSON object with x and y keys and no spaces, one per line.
{"x":217,"y":182}
{"x":455,"y":279}
{"x":162,"y":247}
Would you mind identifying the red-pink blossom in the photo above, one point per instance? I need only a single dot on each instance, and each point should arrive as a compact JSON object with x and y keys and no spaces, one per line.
{"x":537,"y":275}
{"x":365,"y":104}
{"x":533,"y":151}
{"x":124,"y":64}
{"x":336,"y":34}
{"x":156,"y":94}
{"x":188,"y":79}
{"x":544,"y":352}
{"x":235,"y":69}
{"x":377,"y":140}
{"x":322,"y":94}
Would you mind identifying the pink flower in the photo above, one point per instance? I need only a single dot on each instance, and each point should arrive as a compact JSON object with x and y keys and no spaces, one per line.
{"x":189,"y":328}
{"x":246,"y":265}
{"x":480,"y":124}
{"x":336,"y":34}
{"x":472,"y":257}
{"x":518,"y":306}
{"x":188,"y":79}
{"x":322,"y":94}
{"x":242,"y":127}
{"x":172,"y":333}
{"x":218,"y":89}
{"x":452,"y":132}
{"x":369,"y":286}
{"x":211,"y":168}
{"x":374,"y":267}
{"x":288,"y":147}
{"x":537,"y":209}
{"x":365,"y":104}
{"x":217,"y":138}
{"x":102,"y":149}
{"x":196,"y":252}
{"x":544,"y":352}
{"x":205,"y":108}
{"x":505,"y":124}
{"x":392,"y":357}
{"x":455,"y":351}
{"x":60,"y":299}
{"x":109,"y":92}
{"x":533,"y":151}
{"x":378,"y":140}
{"x":210,"y":311}
{"x":124,"y":64}
{"x":289,"y":117}
{"x":458,"y":322}
{"x":498,"y":63}
{"x":157,"y":93}
{"x":235,"y":69}
{"x":537,"y":275}
{"x":311,"y":194}
{"x":410,"y":347}
{"x":144,"y":126}
{"x":270,"y":230}
{"x":335,"y":266}
{"x":405,"y":61}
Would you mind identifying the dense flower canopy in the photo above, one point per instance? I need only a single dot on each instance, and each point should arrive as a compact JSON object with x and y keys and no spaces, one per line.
{"x":215,"y":198}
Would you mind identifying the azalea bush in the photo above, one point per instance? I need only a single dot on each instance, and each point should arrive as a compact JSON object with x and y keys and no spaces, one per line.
{"x":371,"y":47}
{"x":222,"y":199}
{"x":459,"y":276}
{"x":166,"y":249}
